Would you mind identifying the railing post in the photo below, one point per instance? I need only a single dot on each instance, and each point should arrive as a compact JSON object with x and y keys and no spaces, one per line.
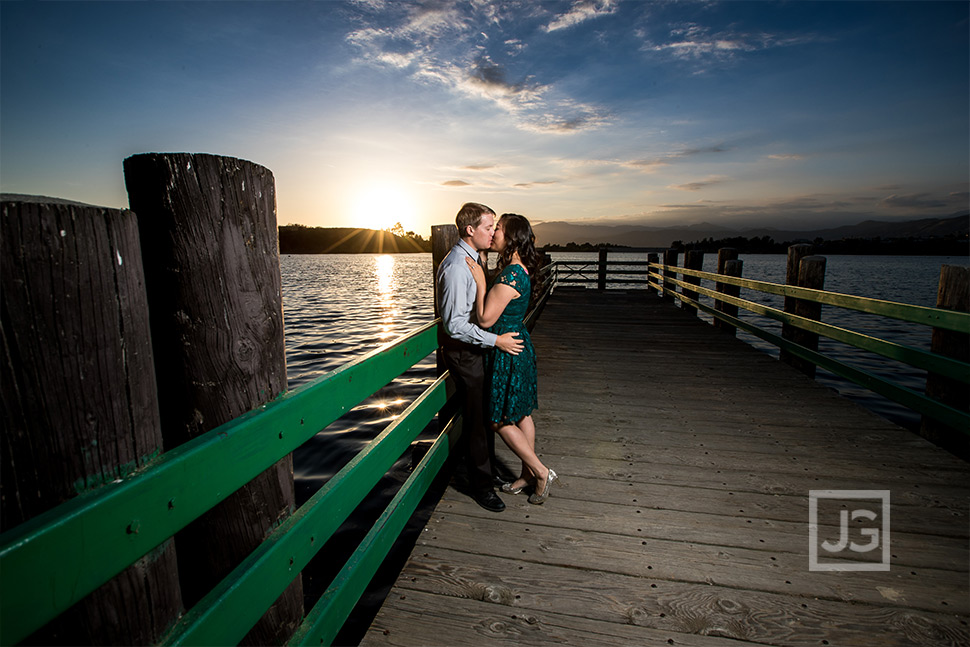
{"x":443,"y":238}
{"x":732,"y":267}
{"x":693,"y":260}
{"x":953,"y":294}
{"x":601,"y":276}
{"x":651,"y":258}
{"x":78,"y":401}
{"x":210,"y":242}
{"x":670,"y":258}
{"x":811,"y":274}
{"x":724,"y":255}
{"x":795,"y":255}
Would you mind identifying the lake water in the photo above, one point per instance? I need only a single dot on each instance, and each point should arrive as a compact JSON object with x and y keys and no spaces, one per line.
{"x":340,"y":306}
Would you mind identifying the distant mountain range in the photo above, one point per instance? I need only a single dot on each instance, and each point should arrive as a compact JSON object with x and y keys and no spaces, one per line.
{"x":563,"y":233}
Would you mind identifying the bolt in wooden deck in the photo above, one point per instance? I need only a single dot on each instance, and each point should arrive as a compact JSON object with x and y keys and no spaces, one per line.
{"x":686,"y":459}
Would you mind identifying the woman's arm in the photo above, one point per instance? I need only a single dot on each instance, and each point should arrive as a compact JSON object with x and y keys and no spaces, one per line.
{"x":489,"y":307}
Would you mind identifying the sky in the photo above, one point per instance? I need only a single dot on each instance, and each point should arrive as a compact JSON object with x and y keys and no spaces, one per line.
{"x":794,"y":115}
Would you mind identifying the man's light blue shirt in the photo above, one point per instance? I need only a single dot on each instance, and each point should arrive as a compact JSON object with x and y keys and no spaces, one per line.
{"x":456,"y":297}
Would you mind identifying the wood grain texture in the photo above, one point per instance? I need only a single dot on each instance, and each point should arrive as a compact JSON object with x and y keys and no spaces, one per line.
{"x":686,"y":459}
{"x":209,"y":234}
{"x":953,"y":294}
{"x":77,"y":394}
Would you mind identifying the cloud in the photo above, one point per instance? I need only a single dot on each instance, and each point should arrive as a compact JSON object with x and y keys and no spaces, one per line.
{"x":443,"y":43}
{"x":581,"y":11}
{"x":647,"y":164}
{"x":455,"y":183}
{"x":784,"y":157}
{"x":954,"y":200}
{"x":696,"y":43}
{"x":529,"y":185}
{"x":493,"y":78}
{"x":702,"y":151}
{"x":479,"y":167}
{"x":665,"y":160}
{"x":697,"y":186}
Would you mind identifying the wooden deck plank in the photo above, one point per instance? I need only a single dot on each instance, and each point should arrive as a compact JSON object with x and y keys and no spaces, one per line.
{"x":686,"y":458}
{"x":688,"y":609}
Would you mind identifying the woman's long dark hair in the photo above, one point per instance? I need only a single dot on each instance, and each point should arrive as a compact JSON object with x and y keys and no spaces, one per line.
{"x":519,"y":238}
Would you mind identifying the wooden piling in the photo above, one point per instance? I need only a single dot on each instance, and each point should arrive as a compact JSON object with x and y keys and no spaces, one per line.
{"x":209,"y":233}
{"x":953,"y":294}
{"x":652,"y":258}
{"x":724,"y":255}
{"x":77,"y":396}
{"x":601,"y":270}
{"x":732,"y":267}
{"x":795,"y":255}
{"x":443,"y":238}
{"x":811,"y":274}
{"x":693,"y":260}
{"x":670,"y":258}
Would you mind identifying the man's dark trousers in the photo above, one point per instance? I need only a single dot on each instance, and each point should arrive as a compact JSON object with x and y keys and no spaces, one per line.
{"x":467,"y":366}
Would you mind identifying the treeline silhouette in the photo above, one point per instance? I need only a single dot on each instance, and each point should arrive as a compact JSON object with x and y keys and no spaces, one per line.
{"x":300,"y":239}
{"x":953,"y":245}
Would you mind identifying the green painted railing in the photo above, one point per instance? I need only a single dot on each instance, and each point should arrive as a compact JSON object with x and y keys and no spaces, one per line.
{"x":52,"y":561}
{"x":55,"y":559}
{"x":657,"y":275}
{"x":661,"y":275}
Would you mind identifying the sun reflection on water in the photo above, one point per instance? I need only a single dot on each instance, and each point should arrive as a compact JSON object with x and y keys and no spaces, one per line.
{"x":386,"y":286}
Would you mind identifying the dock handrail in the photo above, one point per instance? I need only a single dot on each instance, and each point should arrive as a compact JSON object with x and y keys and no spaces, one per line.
{"x":939,"y":364}
{"x":657,"y":275}
{"x":660,"y":276}
{"x":72,"y":549}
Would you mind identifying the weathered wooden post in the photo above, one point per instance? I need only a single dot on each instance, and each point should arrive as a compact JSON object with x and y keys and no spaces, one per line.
{"x":443,"y":238}
{"x":651,"y":258}
{"x":795,"y":255}
{"x":724,"y":255}
{"x":732,"y":267}
{"x":209,"y":236}
{"x":953,"y":294}
{"x":670,"y":258}
{"x":693,"y":260}
{"x":811,"y":274}
{"x":77,"y":397}
{"x":601,"y":270}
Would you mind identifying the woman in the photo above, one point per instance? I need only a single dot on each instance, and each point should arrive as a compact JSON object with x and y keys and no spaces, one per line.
{"x":512,"y":378}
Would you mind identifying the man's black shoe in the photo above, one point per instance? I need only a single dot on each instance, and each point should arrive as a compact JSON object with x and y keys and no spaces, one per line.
{"x":489,"y":500}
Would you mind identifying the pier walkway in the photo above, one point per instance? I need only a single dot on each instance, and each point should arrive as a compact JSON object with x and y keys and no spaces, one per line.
{"x":686,"y":460}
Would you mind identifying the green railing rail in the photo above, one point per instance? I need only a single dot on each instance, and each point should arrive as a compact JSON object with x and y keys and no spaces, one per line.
{"x":52,"y":561}
{"x":661,"y":277}
{"x":55,"y":559}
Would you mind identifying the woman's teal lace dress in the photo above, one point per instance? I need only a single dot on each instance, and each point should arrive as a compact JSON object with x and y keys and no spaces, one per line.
{"x":512,"y":378}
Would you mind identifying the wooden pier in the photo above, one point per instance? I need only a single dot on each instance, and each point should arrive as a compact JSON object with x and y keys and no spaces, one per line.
{"x":686,"y":460}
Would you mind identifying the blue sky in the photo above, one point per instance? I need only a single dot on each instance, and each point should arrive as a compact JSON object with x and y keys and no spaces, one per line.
{"x":792,"y":114}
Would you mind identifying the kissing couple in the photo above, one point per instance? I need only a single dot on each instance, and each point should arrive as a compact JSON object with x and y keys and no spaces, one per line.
{"x":488,"y":351}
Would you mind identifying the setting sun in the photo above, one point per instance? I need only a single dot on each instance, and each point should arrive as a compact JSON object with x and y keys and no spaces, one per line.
{"x":381,"y":205}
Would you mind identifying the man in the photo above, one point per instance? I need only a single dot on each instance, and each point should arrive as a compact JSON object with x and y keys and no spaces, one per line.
{"x":465,"y":342}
